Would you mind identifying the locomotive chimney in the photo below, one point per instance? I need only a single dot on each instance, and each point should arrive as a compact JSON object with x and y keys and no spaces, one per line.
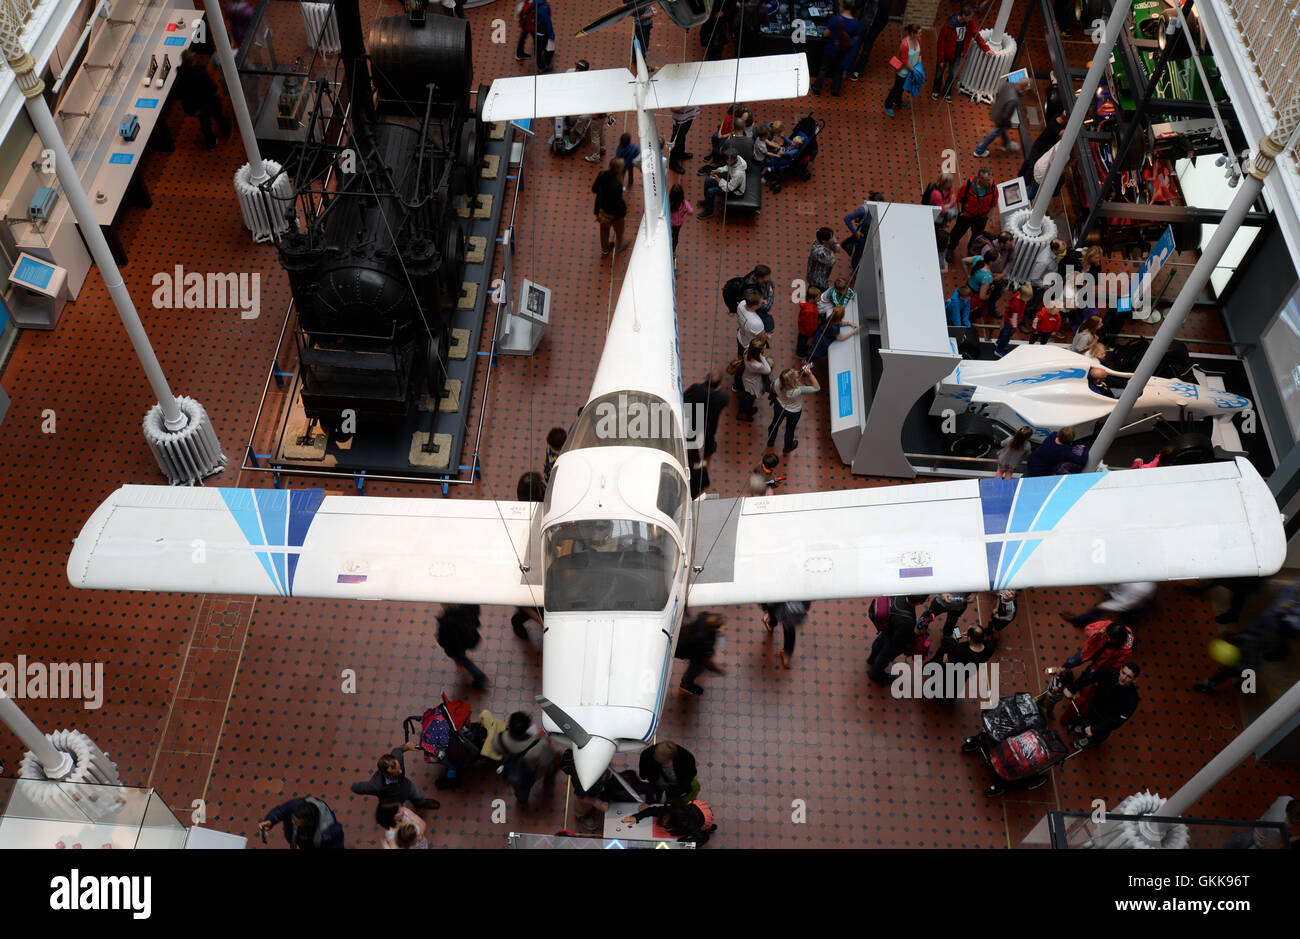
{"x":356,"y":70}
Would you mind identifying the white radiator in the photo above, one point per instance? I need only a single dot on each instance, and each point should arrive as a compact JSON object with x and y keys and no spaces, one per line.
{"x":321,"y":26}
{"x":188,"y":454}
{"x":264,"y":212}
{"x":982,"y":74}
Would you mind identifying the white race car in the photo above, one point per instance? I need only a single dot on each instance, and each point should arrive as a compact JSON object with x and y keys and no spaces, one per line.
{"x":1047,"y":388}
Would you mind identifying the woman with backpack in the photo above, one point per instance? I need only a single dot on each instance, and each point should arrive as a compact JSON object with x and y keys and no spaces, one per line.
{"x":942,"y":194}
{"x":526,"y":754}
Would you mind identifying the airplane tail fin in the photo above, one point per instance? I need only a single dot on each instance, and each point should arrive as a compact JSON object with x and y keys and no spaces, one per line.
{"x":685,"y":84}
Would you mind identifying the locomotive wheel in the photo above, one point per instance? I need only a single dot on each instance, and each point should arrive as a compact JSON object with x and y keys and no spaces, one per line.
{"x":459,"y":181}
{"x":480,"y":102}
{"x":468,"y":153}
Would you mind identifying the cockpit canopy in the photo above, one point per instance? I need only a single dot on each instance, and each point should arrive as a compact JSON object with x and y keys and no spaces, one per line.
{"x":629,"y":419}
{"x":609,"y":564}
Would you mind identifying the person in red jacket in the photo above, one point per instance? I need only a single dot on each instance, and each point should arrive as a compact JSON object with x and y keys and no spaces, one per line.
{"x":974,"y":202}
{"x":1046,"y":323}
{"x":1011,"y":318}
{"x":950,"y":46}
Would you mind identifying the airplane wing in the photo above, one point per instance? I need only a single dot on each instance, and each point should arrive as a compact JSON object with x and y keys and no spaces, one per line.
{"x":757,"y":78}
{"x":304,"y":543}
{"x":1210,"y":520}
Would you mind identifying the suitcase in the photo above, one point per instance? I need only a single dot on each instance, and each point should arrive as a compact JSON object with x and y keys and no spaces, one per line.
{"x":1013,"y":715}
{"x":1031,"y":753}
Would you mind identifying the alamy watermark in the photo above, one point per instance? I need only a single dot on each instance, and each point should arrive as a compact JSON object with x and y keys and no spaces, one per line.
{"x":1103,"y":290}
{"x":912,"y":679}
{"x":63,"y":680}
{"x":191,"y":290}
{"x":647,"y":420}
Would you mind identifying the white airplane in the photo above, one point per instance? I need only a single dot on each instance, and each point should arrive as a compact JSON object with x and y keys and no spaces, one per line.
{"x":617,"y":551}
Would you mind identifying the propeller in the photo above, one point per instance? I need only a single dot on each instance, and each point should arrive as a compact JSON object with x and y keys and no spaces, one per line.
{"x":609,"y":18}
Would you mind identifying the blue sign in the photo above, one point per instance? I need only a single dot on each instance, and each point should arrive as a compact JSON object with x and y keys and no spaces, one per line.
{"x":1160,"y":252}
{"x":32,"y":273}
{"x":844,"y":389}
{"x":121,"y":158}
{"x":174,"y":41}
{"x":146,"y":102}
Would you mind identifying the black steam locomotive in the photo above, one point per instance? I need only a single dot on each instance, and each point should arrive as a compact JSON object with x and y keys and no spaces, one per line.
{"x":376,"y":255}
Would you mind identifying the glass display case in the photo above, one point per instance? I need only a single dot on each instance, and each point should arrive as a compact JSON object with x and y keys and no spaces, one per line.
{"x":40,"y":813}
{"x":779,"y":30}
{"x":278,"y":65}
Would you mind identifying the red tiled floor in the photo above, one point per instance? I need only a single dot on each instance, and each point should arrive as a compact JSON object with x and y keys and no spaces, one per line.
{"x":244,"y":703}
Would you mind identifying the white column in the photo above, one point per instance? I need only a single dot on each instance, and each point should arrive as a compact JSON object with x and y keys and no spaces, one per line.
{"x":226,"y":58}
{"x":1082,"y":104}
{"x":1248,"y":190}
{"x":55,"y":764}
{"x":1000,"y":26}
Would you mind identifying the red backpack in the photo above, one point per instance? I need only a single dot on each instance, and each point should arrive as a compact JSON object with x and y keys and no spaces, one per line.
{"x":807,"y":318}
{"x":528,"y":16}
{"x":878,"y":612}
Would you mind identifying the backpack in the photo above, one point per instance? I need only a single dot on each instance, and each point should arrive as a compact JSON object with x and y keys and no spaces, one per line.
{"x":807,"y":318}
{"x":528,"y":16}
{"x":515,"y":769}
{"x":929,"y":191}
{"x":878,"y":612}
{"x":842,"y":40}
{"x":733,"y":291}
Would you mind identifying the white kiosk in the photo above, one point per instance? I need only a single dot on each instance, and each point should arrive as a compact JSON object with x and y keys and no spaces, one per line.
{"x":37,"y":294}
{"x":899,"y":297}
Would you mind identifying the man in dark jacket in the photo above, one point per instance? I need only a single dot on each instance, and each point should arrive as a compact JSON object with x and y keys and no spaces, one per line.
{"x":309,"y":824}
{"x":897,"y":636}
{"x":669,"y":773}
{"x":1114,"y":703}
{"x":874,"y":17}
{"x":949,"y":48}
{"x":696,"y":644}
{"x":457,"y":634}
{"x":390,"y":783}
{"x":198,"y":96}
{"x":1005,"y":104}
{"x":1059,"y":448}
{"x":760,"y":278}
{"x":703,"y":403}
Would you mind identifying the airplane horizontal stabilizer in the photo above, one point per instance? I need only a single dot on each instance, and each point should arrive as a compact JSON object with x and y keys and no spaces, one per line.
{"x":304,"y":543}
{"x":1210,"y":520}
{"x":758,"y":78}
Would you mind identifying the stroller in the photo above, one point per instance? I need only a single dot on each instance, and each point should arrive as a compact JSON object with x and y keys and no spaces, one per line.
{"x":1016,"y":745}
{"x":800,"y":162}
{"x":571,"y":130}
{"x":449,"y":737}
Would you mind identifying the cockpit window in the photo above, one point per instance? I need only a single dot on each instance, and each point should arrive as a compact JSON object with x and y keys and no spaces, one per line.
{"x":629,"y":419}
{"x":604,"y":564}
{"x":672,"y":495}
